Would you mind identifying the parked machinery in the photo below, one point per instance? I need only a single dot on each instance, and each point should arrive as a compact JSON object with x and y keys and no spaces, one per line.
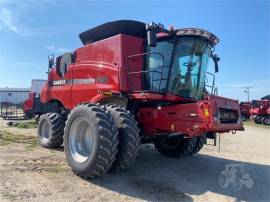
{"x":132,"y":83}
{"x":245,"y":110}
{"x":32,"y":106}
{"x":260,"y":112}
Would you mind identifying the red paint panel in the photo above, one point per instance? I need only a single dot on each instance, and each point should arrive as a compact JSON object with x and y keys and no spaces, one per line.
{"x":61,"y":93}
{"x":131,"y":46}
{"x":103,"y":59}
{"x":105,"y":51}
{"x":83,"y":92}
{"x":182,"y":118}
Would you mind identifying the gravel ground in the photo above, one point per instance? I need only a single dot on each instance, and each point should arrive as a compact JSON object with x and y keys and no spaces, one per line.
{"x":29,"y":172}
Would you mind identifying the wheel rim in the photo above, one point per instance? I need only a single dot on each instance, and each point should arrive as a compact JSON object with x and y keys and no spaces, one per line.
{"x":45,"y":130}
{"x":267,"y":121}
{"x":81,"y":139}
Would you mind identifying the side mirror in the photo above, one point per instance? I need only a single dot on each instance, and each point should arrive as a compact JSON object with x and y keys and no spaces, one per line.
{"x":151,"y":38}
{"x":50,"y":61}
{"x":216,"y":59}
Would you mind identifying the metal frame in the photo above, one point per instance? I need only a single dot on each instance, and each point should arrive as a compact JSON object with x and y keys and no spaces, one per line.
{"x":146,"y":72}
{"x":213,"y":89}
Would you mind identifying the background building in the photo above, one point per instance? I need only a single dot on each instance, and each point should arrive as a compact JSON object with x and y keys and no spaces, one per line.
{"x":13,"y":95}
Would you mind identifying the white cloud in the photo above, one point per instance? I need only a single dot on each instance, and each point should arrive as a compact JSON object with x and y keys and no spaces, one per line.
{"x":13,"y":12}
{"x":8,"y":20}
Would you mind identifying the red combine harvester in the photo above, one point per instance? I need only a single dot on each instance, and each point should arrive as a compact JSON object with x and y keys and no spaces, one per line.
{"x":245,"y":110}
{"x":260,"y":112}
{"x":132,"y":83}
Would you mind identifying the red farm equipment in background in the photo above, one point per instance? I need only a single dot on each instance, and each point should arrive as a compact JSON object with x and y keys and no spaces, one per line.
{"x":32,"y":106}
{"x":132,"y":83}
{"x":245,"y":108}
{"x":260,"y":111}
{"x":28,"y":106}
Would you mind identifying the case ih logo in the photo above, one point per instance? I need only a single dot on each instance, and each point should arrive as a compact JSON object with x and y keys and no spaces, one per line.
{"x":59,"y":82}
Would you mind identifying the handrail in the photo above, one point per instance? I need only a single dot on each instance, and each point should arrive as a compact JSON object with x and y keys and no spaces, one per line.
{"x":146,"y":71}
{"x":213,"y":83}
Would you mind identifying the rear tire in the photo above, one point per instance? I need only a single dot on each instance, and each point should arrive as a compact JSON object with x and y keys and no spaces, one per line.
{"x":90,"y":140}
{"x":200,"y":141}
{"x":177,"y":147}
{"x":50,"y":130}
{"x":128,"y":135}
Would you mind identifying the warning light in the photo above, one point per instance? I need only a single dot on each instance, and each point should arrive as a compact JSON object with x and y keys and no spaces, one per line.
{"x":206,"y":112}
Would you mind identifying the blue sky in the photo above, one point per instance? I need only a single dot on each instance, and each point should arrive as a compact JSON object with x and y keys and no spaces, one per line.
{"x":31,"y":29}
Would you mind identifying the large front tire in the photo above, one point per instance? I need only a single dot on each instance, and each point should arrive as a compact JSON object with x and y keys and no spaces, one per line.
{"x":128,"y":135}
{"x":177,"y":147}
{"x":50,"y":130}
{"x":90,"y":140}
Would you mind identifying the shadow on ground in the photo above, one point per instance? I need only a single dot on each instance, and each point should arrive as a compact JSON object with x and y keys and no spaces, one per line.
{"x":158,"y":178}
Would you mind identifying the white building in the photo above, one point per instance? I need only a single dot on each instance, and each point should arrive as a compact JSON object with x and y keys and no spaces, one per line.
{"x":13,"y":95}
{"x":19,"y":95}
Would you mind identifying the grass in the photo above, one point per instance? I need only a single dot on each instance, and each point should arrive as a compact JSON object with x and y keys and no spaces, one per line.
{"x":25,"y":125}
{"x":8,"y":138}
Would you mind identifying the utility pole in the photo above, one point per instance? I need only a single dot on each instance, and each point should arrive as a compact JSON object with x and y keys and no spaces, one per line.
{"x":247,"y":91}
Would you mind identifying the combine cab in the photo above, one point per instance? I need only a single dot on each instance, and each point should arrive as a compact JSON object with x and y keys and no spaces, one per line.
{"x":132,"y":83}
